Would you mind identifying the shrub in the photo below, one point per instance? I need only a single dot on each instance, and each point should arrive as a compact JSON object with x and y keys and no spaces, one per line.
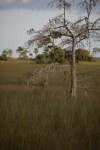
{"x":3,"y":58}
{"x":62,"y":56}
{"x":58,"y":55}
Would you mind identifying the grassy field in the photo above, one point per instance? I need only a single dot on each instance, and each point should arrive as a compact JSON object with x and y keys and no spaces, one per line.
{"x":44,"y":118}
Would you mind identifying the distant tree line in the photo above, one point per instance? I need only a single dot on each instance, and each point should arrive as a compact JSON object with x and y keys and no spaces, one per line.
{"x":23,"y":54}
{"x":58,"y":55}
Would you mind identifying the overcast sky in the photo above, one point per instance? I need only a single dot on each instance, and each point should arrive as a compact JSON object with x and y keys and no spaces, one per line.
{"x":18,"y":16}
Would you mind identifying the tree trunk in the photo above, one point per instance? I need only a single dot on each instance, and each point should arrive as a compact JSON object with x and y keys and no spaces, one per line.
{"x":64,"y":13}
{"x":73,"y":91}
{"x":53,"y":45}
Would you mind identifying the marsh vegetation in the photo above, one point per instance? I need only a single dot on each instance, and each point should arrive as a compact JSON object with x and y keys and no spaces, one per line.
{"x":44,"y":117}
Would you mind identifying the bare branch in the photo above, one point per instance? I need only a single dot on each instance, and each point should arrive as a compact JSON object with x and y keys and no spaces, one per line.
{"x":60,"y":4}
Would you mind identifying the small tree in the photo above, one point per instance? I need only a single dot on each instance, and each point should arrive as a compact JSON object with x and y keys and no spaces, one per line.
{"x":7,"y":53}
{"x":10,"y":52}
{"x":22,"y":52}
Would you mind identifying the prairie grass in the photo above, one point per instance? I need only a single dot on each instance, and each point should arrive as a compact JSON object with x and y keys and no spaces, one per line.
{"x":44,"y":118}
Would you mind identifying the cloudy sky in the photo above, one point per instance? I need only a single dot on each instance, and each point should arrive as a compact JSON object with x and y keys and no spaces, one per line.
{"x":18,"y":16}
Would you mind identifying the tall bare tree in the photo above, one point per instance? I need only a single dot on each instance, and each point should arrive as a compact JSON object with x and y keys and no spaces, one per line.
{"x":71,"y":33}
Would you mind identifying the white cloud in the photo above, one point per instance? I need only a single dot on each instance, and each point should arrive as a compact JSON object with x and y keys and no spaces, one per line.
{"x":3,"y":2}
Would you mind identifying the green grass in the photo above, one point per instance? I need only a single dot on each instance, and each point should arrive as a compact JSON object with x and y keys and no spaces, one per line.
{"x":44,"y":118}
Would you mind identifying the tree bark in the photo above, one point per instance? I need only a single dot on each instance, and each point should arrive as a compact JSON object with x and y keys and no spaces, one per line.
{"x":73,"y":91}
